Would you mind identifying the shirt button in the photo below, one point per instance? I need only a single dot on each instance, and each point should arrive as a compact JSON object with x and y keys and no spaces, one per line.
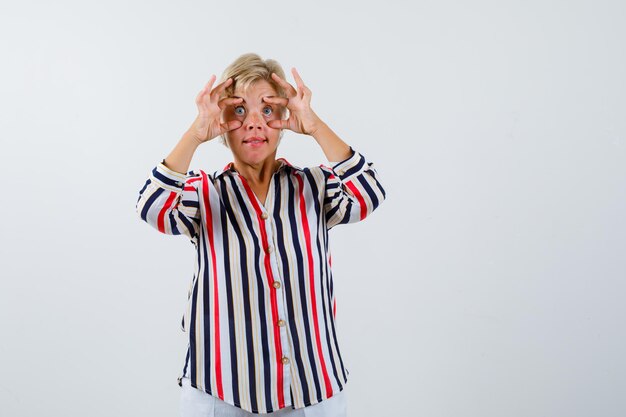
{"x":276,"y":284}
{"x":285,"y":360}
{"x":180,"y":184}
{"x":281,"y":323}
{"x":270,"y":248}
{"x":264,"y":216}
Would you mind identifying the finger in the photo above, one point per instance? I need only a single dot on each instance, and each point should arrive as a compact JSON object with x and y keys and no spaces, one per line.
{"x":278,"y":124}
{"x":221,"y":87}
{"x":207,"y":87}
{"x":291,"y":92}
{"x":307,"y":94}
{"x":299,"y":82}
{"x":228,"y":101}
{"x":232,"y":125}
{"x":282,"y":101}
{"x":297,"y":77}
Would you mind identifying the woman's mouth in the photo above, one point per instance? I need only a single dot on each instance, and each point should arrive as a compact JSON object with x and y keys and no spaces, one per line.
{"x":254,"y":142}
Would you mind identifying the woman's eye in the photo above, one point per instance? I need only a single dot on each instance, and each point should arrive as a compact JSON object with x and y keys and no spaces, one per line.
{"x":238,"y":113}
{"x":270,"y":109}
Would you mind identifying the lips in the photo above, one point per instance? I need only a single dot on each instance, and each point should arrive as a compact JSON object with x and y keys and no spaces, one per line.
{"x":255,"y":140}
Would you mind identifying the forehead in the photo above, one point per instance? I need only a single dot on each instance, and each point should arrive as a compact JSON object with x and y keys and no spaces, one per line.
{"x":255,"y":91}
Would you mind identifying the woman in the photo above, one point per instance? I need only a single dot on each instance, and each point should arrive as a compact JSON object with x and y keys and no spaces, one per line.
{"x":261,"y":310}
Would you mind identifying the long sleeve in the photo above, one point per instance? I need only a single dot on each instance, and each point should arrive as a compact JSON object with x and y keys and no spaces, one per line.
{"x":353,"y":190}
{"x":168,"y":201}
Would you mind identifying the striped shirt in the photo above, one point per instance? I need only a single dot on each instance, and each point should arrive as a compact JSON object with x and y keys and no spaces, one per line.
{"x":261,"y":311}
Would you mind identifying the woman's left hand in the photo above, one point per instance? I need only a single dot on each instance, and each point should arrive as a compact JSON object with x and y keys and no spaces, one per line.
{"x":302,"y":119}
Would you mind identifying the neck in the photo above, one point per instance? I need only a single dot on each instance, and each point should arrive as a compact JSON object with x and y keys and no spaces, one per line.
{"x":259,"y":173}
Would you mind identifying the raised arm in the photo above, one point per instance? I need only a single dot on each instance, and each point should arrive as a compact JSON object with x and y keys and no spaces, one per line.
{"x":205,"y":127}
{"x":168,"y":200}
{"x":352,"y":186}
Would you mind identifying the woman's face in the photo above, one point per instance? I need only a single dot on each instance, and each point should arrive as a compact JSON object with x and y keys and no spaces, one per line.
{"x":254,"y":114}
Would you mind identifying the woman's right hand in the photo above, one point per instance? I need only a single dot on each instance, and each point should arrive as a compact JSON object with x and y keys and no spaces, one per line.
{"x":208,"y":123}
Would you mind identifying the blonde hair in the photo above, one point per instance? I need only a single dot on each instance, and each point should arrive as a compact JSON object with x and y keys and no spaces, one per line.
{"x":246,"y":71}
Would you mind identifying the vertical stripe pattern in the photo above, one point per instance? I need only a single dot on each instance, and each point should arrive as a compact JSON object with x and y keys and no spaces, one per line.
{"x":261,"y":312}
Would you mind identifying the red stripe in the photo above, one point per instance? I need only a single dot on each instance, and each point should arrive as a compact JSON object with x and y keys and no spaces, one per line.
{"x":216,"y":309}
{"x":274,"y":303}
{"x":164,"y":210}
{"x":358,"y":195}
{"x":307,"y":236}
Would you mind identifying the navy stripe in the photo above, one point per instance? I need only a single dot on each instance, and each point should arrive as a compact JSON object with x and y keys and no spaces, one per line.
{"x":149,"y":203}
{"x":185,"y":220}
{"x":353,"y":170}
{"x":186,"y":362}
{"x":229,"y":291}
{"x":172,"y":221}
{"x":334,"y":200}
{"x":148,"y":181}
{"x":192,"y":329}
{"x":329,"y":272}
{"x":165,"y":180}
{"x":189,"y":203}
{"x":368,"y":189}
{"x":373,"y":178}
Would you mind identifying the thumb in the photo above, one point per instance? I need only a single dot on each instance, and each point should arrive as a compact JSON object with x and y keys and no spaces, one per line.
{"x":233,"y":124}
{"x":278,"y":124}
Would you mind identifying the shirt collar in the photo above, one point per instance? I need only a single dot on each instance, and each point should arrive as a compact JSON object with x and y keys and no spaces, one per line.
{"x":230,"y":168}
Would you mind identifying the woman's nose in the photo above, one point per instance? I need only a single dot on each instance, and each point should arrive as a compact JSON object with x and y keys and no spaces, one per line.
{"x":254,"y":120}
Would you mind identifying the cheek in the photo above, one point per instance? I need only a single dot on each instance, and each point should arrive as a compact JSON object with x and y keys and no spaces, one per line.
{"x":274,"y":135}
{"x":236,"y":135}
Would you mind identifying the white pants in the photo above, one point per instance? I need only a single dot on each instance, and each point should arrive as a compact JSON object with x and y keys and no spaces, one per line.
{"x":197,"y":403}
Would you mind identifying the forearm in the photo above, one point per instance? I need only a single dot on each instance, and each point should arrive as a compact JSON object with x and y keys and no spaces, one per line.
{"x":179,"y":159}
{"x":334,"y":148}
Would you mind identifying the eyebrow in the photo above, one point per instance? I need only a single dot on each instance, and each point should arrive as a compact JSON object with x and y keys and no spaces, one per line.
{"x":244,"y":100}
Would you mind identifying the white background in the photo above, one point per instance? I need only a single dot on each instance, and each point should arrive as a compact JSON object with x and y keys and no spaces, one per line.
{"x":489,"y":283}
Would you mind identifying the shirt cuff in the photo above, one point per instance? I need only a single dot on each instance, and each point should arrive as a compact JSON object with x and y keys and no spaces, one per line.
{"x":354,"y":165}
{"x":168,"y":179}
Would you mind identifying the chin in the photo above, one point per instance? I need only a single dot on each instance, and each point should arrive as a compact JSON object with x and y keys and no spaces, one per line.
{"x":265,"y":149}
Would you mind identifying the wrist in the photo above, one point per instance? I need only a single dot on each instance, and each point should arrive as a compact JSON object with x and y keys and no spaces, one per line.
{"x":190,"y":139}
{"x":318,"y":129}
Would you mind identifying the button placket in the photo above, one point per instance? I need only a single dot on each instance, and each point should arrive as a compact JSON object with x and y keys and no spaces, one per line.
{"x":277,"y":287}
{"x":281,"y":322}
